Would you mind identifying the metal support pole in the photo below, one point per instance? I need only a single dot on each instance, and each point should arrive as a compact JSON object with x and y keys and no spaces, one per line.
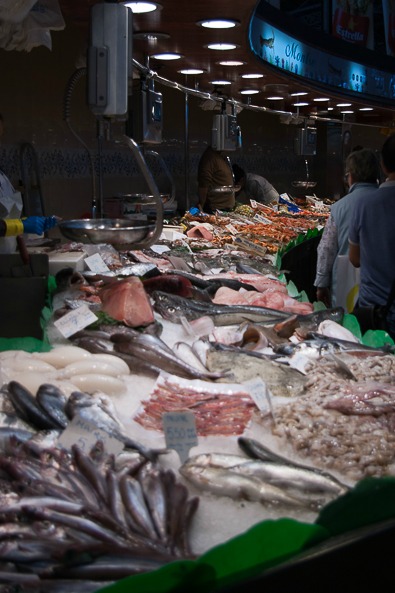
{"x":187,"y":201}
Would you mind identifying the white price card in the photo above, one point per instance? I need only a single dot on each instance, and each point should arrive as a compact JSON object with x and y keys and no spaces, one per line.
{"x":86,"y":434}
{"x":263,"y":219}
{"x":231,"y":229}
{"x":260,"y":393}
{"x":96,"y":263}
{"x":180,"y":432}
{"x":74,"y":321}
{"x":159,"y":249}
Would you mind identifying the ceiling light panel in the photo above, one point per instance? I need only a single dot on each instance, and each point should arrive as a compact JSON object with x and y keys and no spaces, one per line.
{"x":141,"y":7}
{"x":252,"y":75}
{"x":218,"y":23}
{"x":222,"y":46}
{"x":166,"y":56}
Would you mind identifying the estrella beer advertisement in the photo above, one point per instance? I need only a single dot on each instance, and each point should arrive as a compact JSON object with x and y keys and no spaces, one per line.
{"x":352,"y":21}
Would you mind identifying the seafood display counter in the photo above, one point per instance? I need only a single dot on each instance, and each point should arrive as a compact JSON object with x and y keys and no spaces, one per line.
{"x":190,"y":420}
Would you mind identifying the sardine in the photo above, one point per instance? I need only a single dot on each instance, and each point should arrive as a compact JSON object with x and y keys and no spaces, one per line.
{"x":173,"y":308}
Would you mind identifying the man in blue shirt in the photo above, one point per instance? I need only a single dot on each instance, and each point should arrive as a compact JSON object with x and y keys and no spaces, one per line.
{"x":372,"y":237}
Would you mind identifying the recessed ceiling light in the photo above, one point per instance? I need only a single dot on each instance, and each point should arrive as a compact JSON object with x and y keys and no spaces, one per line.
{"x":318,"y":99}
{"x":300,"y":104}
{"x":343,"y":104}
{"x":166,"y":56}
{"x":330,"y":108}
{"x":191,"y":71}
{"x":140,"y":7}
{"x":221,"y":46}
{"x":252,"y":75}
{"x":274,"y":98}
{"x":218,"y":23}
{"x":366,"y":109}
{"x":347,"y":111}
{"x":231,"y":63}
{"x":299,"y":94}
{"x":249,"y":92}
{"x":221,"y":82}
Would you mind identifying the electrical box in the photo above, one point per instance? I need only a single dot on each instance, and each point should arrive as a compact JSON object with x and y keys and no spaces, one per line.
{"x":225,"y":133}
{"x":109,"y":59}
{"x":306,"y":141}
{"x":147,"y":115}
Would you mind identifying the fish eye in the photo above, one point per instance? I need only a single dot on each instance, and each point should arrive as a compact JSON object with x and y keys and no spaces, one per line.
{"x":171,"y":309}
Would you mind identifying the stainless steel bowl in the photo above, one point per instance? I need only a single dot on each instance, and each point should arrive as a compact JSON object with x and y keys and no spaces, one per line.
{"x":224,"y":189}
{"x":304,"y":184}
{"x":142,"y":198}
{"x":115,"y":231}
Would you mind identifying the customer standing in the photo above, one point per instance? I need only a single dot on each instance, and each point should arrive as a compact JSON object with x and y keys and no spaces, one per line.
{"x":372,"y":238}
{"x":214,"y":173}
{"x":362,"y":173}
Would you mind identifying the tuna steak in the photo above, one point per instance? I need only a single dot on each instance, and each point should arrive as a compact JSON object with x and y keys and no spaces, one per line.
{"x":127,"y":301}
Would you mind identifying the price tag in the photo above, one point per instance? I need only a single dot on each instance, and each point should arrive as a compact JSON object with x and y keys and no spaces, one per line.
{"x":259,"y":392}
{"x":260,"y":218}
{"x":159,"y":249}
{"x":231,"y":229}
{"x":74,"y":321}
{"x":249,"y":245}
{"x":96,"y":263}
{"x":85,"y":435}
{"x":180,"y":432}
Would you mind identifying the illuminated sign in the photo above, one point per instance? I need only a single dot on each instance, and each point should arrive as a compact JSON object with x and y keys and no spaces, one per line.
{"x":273,"y":46}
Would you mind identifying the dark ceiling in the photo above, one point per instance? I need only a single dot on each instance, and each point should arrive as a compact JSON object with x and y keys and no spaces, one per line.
{"x":176,"y":23}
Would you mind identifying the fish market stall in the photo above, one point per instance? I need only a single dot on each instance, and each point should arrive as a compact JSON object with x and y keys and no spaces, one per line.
{"x":287,"y":408}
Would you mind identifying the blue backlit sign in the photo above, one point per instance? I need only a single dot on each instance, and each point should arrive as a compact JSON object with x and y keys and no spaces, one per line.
{"x":274,"y":47}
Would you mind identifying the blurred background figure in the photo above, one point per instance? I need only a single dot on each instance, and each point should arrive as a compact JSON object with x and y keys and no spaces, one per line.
{"x":215,"y":182}
{"x":361,"y":176}
{"x":253,"y":187}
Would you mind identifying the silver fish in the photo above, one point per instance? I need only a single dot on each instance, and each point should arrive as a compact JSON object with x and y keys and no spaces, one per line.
{"x":174,"y":307}
{"x":99,"y":413}
{"x":152,"y":350}
{"x":225,"y":482}
{"x":257,"y":450}
{"x":298,"y":481}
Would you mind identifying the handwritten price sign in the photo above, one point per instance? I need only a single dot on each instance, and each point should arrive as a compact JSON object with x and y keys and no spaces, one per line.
{"x":74,"y":321}
{"x":180,"y":432}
